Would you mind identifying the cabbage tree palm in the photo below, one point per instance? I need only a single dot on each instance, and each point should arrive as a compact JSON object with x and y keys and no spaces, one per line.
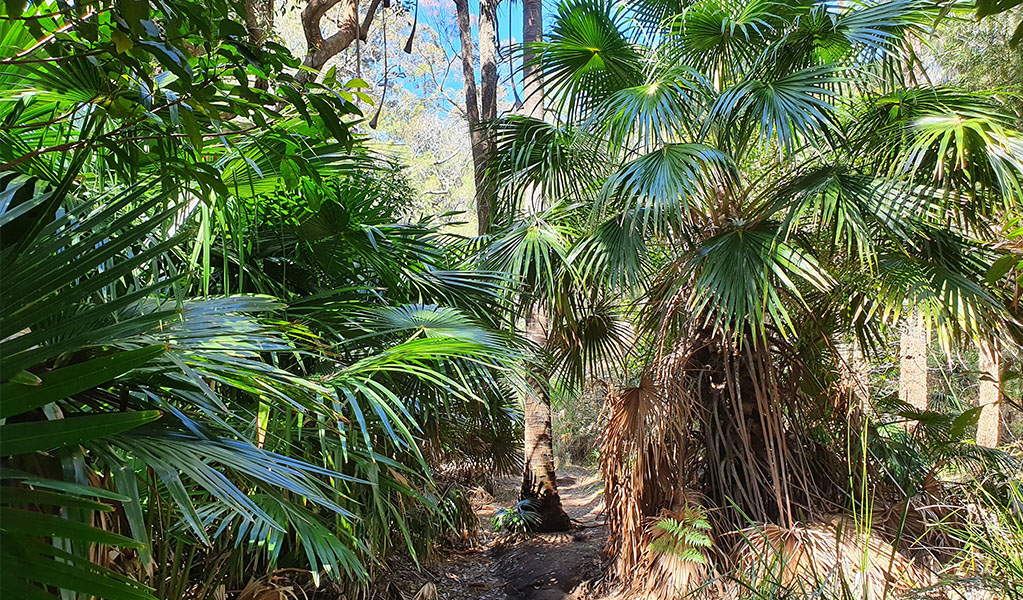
{"x":531,"y":251}
{"x":758,"y":181}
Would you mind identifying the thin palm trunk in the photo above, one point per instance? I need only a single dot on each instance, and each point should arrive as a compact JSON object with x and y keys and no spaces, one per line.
{"x":539,"y":479}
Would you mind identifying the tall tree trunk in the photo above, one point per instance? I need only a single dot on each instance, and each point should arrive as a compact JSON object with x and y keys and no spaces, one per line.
{"x":488,"y":110}
{"x":913,"y":363}
{"x":539,"y":480}
{"x":259,"y":20}
{"x":989,"y":397}
{"x":532,"y":33}
{"x":472,"y":112}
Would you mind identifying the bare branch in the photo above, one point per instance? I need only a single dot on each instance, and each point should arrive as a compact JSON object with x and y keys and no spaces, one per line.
{"x":319,"y":49}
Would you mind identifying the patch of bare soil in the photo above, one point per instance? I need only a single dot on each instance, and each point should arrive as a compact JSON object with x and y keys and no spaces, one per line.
{"x":554,"y":566}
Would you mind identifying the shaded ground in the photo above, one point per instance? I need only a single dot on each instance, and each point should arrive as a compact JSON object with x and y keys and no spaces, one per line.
{"x":557,"y":566}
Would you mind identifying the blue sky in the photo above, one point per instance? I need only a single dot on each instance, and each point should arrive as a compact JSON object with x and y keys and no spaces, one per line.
{"x":440,"y":15}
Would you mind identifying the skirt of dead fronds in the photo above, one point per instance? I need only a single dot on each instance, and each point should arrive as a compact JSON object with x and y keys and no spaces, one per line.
{"x":823,"y":560}
{"x":731,"y":428}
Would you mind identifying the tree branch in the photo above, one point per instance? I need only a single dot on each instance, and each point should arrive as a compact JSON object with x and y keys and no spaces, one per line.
{"x":319,"y":49}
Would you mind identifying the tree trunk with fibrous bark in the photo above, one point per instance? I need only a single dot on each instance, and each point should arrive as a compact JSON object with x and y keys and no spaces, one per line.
{"x":539,"y":479}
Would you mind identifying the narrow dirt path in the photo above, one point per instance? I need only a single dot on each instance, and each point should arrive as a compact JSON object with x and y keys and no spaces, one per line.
{"x":559,"y":566}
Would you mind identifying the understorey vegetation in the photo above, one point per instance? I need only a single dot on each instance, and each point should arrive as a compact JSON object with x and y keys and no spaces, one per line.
{"x":753,"y":260}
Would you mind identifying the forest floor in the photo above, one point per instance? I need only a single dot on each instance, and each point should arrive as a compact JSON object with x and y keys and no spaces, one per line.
{"x":554,"y":566}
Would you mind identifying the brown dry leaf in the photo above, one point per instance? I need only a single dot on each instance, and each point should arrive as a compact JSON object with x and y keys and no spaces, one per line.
{"x":831,"y":556}
{"x":257,"y":590}
{"x":427,"y":592}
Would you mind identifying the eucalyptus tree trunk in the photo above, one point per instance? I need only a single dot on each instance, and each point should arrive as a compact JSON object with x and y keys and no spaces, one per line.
{"x":488,"y":110}
{"x":532,"y":33}
{"x":913,"y":364}
{"x":259,"y":21}
{"x":320,"y":49}
{"x":539,"y":480}
{"x":479,"y":110}
{"x":989,"y":396}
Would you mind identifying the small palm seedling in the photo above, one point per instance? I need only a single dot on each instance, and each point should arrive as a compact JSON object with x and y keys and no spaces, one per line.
{"x":519,"y":518}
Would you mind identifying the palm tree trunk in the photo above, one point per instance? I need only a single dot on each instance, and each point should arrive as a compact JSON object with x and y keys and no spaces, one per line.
{"x":990,"y":394}
{"x":539,"y":480}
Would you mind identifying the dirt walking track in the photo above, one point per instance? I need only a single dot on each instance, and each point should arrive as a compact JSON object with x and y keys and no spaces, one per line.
{"x":557,"y":566}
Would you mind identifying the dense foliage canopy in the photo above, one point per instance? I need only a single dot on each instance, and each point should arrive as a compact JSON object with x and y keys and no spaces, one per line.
{"x":735,"y":193}
{"x":222,"y":347}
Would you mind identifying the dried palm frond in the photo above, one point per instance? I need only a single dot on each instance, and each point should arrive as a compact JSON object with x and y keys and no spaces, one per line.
{"x":716,"y":423}
{"x":427,"y":592}
{"x":644,"y":459}
{"x":831,"y":559}
{"x":257,"y":590}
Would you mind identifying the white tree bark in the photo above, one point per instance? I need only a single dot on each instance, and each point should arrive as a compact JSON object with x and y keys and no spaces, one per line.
{"x":913,"y":363}
{"x":989,"y":396}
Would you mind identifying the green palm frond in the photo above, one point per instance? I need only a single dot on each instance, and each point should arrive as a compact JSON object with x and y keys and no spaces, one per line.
{"x":534,"y":250}
{"x":662,"y":110}
{"x":613,"y":254}
{"x":724,"y":38}
{"x":942,"y":276}
{"x":855,"y":208}
{"x":587,"y":56}
{"x":531,"y":154}
{"x":743,"y":281}
{"x":675,"y":184}
{"x":587,"y":337}
{"x":958,"y":143}
{"x":878,"y":31}
{"x":791,"y":108}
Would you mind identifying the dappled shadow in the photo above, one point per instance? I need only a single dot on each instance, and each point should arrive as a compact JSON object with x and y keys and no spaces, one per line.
{"x":550,"y":566}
